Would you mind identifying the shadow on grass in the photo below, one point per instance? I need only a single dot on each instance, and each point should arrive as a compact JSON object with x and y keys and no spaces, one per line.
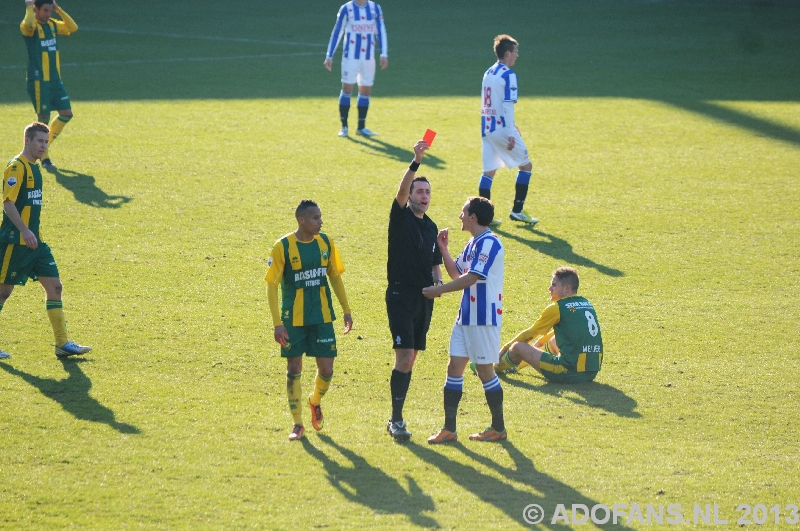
{"x":72,"y":394}
{"x":591,"y":394}
{"x":389,"y":151}
{"x":504,"y":494}
{"x":370,"y":486}
{"x":559,"y":249}
{"x":85,"y":190}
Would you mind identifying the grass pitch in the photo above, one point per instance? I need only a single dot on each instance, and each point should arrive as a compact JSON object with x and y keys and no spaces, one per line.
{"x":666,"y":142}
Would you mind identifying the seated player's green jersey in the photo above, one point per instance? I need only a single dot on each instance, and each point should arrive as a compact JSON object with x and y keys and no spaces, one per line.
{"x":22,"y":185}
{"x":302,"y":268}
{"x":578,"y":335}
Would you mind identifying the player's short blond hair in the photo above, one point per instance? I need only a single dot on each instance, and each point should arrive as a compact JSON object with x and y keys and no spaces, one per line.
{"x":568,"y":276}
{"x":504,"y":43}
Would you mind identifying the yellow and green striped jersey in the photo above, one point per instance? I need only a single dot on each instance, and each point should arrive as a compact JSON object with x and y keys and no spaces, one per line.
{"x":302,"y":269}
{"x":22,"y":184}
{"x":44,"y":63}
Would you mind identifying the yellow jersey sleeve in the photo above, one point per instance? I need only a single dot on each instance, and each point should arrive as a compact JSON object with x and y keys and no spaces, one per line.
{"x":549,"y":317}
{"x":276,"y":264}
{"x":28,"y":24}
{"x":12,"y":180}
{"x":335,"y":265}
{"x":66,"y":25}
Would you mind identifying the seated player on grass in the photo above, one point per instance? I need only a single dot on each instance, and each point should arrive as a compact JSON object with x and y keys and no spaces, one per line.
{"x":569,"y":345}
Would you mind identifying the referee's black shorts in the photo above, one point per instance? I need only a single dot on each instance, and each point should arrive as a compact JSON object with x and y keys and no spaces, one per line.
{"x":409,"y":316}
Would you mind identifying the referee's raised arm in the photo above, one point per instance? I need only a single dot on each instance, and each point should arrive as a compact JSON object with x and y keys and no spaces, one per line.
{"x":405,"y":185}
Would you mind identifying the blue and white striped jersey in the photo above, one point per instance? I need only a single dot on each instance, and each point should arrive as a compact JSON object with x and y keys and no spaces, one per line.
{"x":499,"y":87}
{"x":363,"y":30}
{"x":482,"y":303}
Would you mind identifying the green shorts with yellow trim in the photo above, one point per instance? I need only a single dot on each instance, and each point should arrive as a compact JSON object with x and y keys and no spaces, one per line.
{"x":554,"y":371}
{"x":48,"y":96}
{"x":18,"y":263}
{"x":318,"y":341}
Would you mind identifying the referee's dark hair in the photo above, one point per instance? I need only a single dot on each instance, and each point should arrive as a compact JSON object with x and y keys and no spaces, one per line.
{"x":483,"y":210}
{"x":304,"y":205}
{"x":421,"y":178}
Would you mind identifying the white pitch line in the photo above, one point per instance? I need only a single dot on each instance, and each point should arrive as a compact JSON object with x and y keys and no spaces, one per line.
{"x":173,"y":60}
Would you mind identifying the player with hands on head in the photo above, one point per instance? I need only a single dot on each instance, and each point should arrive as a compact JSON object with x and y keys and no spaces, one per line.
{"x":306,"y":264}
{"x":359,"y":24}
{"x":502,"y":143}
{"x":414,"y":262}
{"x":45,"y":88}
{"x":23,"y":254}
{"x":478,"y":274}
{"x":568,"y":343}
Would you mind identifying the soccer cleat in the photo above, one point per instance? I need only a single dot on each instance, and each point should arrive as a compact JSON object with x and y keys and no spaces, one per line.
{"x":70,"y":348}
{"x":4,"y":355}
{"x":297,"y":432}
{"x":366,"y":132}
{"x":489,"y":435}
{"x":398,"y":430}
{"x":316,"y":415}
{"x":444,"y":436}
{"x":344,"y":131}
{"x":48,"y":164}
{"x":523,"y":217}
{"x":495,"y":223}
{"x":473,"y":367}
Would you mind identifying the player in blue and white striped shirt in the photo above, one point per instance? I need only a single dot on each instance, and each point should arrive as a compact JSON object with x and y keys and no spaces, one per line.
{"x":478,"y":274}
{"x":502,"y":141}
{"x":359,"y":24}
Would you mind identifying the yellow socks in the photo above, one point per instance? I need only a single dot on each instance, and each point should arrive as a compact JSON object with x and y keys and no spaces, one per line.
{"x":294,"y":392}
{"x":56,"y":126}
{"x":505,"y":363}
{"x":55,"y":312}
{"x":321,"y":385}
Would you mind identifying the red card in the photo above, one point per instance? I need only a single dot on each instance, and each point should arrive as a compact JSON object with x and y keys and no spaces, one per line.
{"x":429,"y":136}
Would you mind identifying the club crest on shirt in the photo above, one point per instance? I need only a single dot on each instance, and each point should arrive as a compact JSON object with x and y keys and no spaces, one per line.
{"x":325,"y":254}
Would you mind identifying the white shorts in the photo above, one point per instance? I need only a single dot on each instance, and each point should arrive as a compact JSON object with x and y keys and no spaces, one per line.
{"x":480,"y":344}
{"x":496,"y":153}
{"x":360,"y":71}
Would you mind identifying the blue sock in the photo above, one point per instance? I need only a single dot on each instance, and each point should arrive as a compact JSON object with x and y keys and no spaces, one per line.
{"x":492,"y":385}
{"x":485,"y":186}
{"x":456,"y":384}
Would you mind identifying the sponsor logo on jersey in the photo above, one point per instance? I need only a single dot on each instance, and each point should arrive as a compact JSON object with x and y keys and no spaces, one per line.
{"x":269,"y":262}
{"x":12,"y":180}
{"x":326,"y":340}
{"x":363,"y":27}
{"x":310,"y":274}
{"x":483,"y":258}
{"x":35,"y":194}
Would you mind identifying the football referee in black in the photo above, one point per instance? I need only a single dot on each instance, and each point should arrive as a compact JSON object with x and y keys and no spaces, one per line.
{"x":414,"y":263}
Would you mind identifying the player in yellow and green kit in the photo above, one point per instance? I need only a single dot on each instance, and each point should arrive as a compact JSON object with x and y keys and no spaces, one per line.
{"x":45,"y":88}
{"x":23,"y":254}
{"x":306,"y":264}
{"x":568,"y":333}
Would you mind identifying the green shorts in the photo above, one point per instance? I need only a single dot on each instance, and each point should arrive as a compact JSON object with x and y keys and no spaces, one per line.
{"x":18,"y":263}
{"x":318,"y":341}
{"x":552,"y":369}
{"x":48,"y":96}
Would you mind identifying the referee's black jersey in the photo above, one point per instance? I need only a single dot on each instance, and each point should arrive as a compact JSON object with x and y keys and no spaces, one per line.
{"x":412,"y":248}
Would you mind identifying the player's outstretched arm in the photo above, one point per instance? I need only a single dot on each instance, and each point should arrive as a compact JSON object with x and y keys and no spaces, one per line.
{"x":405,"y":184}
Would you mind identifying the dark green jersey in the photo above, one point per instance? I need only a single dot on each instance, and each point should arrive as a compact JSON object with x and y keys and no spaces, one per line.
{"x":303,"y":269}
{"x":22,"y":184}
{"x":578,"y":335}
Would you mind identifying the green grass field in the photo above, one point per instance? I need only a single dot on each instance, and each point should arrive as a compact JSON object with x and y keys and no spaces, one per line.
{"x":666,"y":147}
